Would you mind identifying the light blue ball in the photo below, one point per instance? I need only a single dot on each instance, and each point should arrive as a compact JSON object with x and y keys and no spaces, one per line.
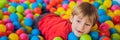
{"x":35,"y":32}
{"x":28,"y":22}
{"x":44,"y":6}
{"x":4,"y":9}
{"x":14,"y":4}
{"x":104,"y":18}
{"x":39,"y":1}
{"x":96,"y":4}
{"x":112,"y":31}
{"x":13,"y":17}
{"x":30,"y":35}
{"x":101,"y":12}
{"x":115,"y":3}
{"x":65,"y":2}
{"x":16,"y":25}
{"x":34,"y":5}
{"x":35,"y":38}
{"x":72,"y":36}
{"x":94,"y":35}
{"x":4,"y":38}
{"x":24,"y":5}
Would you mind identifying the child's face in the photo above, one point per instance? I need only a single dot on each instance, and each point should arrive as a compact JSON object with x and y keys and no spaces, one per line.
{"x":81,"y":24}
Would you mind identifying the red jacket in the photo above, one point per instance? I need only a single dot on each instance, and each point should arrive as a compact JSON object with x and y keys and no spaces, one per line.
{"x":52,"y":26}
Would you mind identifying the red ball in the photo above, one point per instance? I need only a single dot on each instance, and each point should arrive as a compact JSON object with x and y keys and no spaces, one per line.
{"x":106,"y":38}
{"x":59,"y":5}
{"x":8,"y":32}
{"x":1,"y":22}
{"x":52,"y":2}
{"x":104,"y":33}
{"x":19,"y":31}
{"x":32,"y":1}
{"x":116,"y":19}
{"x":24,"y":36}
{"x":10,"y":26}
{"x":37,"y":10}
{"x":52,"y":10}
{"x":104,"y":26}
{"x":6,"y":13}
{"x":48,"y":7}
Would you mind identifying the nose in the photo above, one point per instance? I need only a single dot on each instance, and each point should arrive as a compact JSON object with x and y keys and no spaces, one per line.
{"x":81,"y":28}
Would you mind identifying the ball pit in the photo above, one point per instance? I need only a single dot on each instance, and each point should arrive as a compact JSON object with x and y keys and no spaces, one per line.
{"x":85,"y":37}
{"x":72,"y":36}
{"x":57,"y":38}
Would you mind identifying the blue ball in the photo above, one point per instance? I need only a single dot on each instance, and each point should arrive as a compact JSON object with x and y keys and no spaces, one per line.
{"x":72,"y":36}
{"x":4,"y":9}
{"x":34,"y":5}
{"x":65,"y":2}
{"x":44,"y":5}
{"x":30,"y":35}
{"x":101,"y":12}
{"x":35,"y":38}
{"x":4,"y":38}
{"x":13,"y":4}
{"x":96,"y":4}
{"x":28,"y":22}
{"x":13,"y":17}
{"x":16,"y":25}
{"x":25,"y":5}
{"x":39,"y":1}
{"x":115,"y":3}
{"x":35,"y":32}
{"x":112,"y":31}
{"x":104,"y":18}
{"x":94,"y":35}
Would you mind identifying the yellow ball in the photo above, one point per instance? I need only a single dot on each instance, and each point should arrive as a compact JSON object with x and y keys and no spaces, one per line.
{"x":111,"y":15}
{"x":29,"y":29}
{"x":66,"y":17}
{"x":110,"y":23}
{"x":5,"y":17}
{"x":72,"y":4}
{"x":95,"y":27}
{"x":2,"y":28}
{"x":107,"y":4}
{"x":41,"y":38}
{"x":117,"y":27}
{"x":68,"y":12}
{"x":85,"y":0}
{"x":117,"y":12}
{"x":13,"y":36}
{"x":36,"y":15}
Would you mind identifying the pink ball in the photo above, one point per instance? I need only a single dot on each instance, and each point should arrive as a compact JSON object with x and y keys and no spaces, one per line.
{"x":24,"y":36}
{"x":79,"y":1}
{"x":7,"y":21}
{"x":65,"y":6}
{"x":115,"y":7}
{"x":46,"y":1}
{"x":10,"y":26}
{"x":104,"y":27}
{"x":28,"y":11}
{"x":30,"y":16}
{"x":6,"y":13}
{"x":22,"y":1}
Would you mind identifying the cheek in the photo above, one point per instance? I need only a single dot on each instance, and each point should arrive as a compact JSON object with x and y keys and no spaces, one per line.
{"x":87,"y":30}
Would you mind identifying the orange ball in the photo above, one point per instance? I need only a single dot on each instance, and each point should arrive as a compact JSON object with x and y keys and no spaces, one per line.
{"x":59,"y":5}
{"x":19,"y":31}
{"x":7,"y":5}
{"x":48,"y":7}
{"x":37,"y":10}
{"x":32,"y":1}
{"x":52,"y":10}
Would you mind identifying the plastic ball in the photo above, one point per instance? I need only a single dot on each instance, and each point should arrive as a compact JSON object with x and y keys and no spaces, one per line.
{"x":116,"y":19}
{"x":115,"y":36}
{"x":6,"y":21}
{"x":65,"y":6}
{"x":28,"y":29}
{"x":107,"y":3}
{"x":25,"y":6}
{"x":36,"y":15}
{"x":115,"y":3}
{"x":24,"y":36}
{"x":115,"y":7}
{"x":52,"y":10}
{"x":19,"y":31}
{"x":44,"y":6}
{"x":85,"y":37}
{"x":111,"y":14}
{"x":103,"y":18}
{"x":104,"y":38}
{"x":20,"y":9}
{"x":4,"y":9}
{"x":32,"y":1}
{"x":4,"y":38}
{"x":2,"y":3}
{"x":113,"y":30}
{"x":72,"y":4}
{"x":28,"y":11}
{"x":13,"y":36}
{"x":13,"y":17}
{"x":104,"y":26}
{"x":94,"y":35}
{"x":35,"y":38}
{"x":14,"y":4}
{"x":117,"y":27}
{"x":1,"y":15}
{"x":117,"y":12}
{"x":6,"y":13}
{"x":48,"y":7}
{"x":11,"y":9}
{"x":34,"y":5}
{"x":60,"y":11}
{"x":72,"y":36}
{"x":41,"y":38}
{"x":35,"y":32}
{"x":104,"y":33}
{"x":95,"y":27}
{"x":103,"y":7}
{"x":20,"y":16}
{"x":57,"y":38}
{"x":96,"y":4}
{"x":10,"y":26}
{"x":16,"y":25}
{"x":37,"y":10}
{"x":5,"y":17}
{"x":85,"y":0}
{"x":110,"y":23}
{"x":28,"y":22}
{"x":65,"y":2}
{"x":2,"y":28}
{"x":30,"y":16}
{"x":39,"y":1}
{"x":101,"y":12}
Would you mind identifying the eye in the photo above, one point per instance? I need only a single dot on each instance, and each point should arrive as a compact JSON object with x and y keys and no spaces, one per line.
{"x":87,"y":24}
{"x":78,"y":21}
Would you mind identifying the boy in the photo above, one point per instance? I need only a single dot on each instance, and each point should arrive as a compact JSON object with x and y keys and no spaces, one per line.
{"x":83,"y":17}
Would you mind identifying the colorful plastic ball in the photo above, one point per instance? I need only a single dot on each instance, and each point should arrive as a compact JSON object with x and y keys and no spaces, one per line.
{"x":32,"y":1}
{"x":19,"y":31}
{"x":28,"y":29}
{"x":25,"y":6}
{"x":110,"y":23}
{"x":24,"y":36}
{"x":35,"y":38}
{"x":107,"y":3}
{"x":13,"y":36}
{"x":117,"y":27}
{"x":95,"y":27}
{"x":85,"y":37}
{"x":85,"y":1}
{"x":104,"y":38}
{"x":5,"y":17}
{"x":117,"y":12}
{"x":40,"y":6}
{"x":13,"y":17}
{"x":16,"y":25}
{"x":72,"y":4}
{"x":4,"y":9}
{"x":28,"y":11}
{"x":101,"y":12}
{"x":36,"y":15}
{"x":10,"y":26}
{"x":4,"y":38}
{"x":96,"y":4}
{"x":41,"y":38}
{"x":115,"y":7}
{"x":39,"y":1}
{"x":20,"y":9}
{"x":14,"y":4}
{"x":104,"y":26}
{"x":37,"y":10}
{"x":2,"y":2}
{"x":65,"y":6}
{"x":44,"y":6}
{"x":94,"y":35}
{"x":112,"y":31}
{"x":103,"y":7}
{"x":115,"y":3}
{"x":6,"y":13}
{"x":57,"y":38}
{"x":48,"y":7}
{"x":30,"y":16}
{"x":11,"y":9}
{"x":104,"y":33}
{"x":116,"y":19}
{"x":65,"y":2}
{"x":34,"y":5}
{"x":115,"y":36}
{"x":103,"y":18}
{"x":20,"y":16}
{"x":21,"y":1}
{"x":1,"y":15}
{"x":72,"y":36}
{"x":28,"y":22}
{"x":2,"y":28}
{"x":35,"y":32}
{"x":52,"y":10}
{"x":7,"y":21}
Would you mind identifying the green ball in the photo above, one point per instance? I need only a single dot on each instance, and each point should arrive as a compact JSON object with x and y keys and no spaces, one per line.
{"x":27,"y":2}
{"x":2,"y":4}
{"x":115,"y":36}
{"x":40,"y":5}
{"x":20,"y":9}
{"x":57,"y":38}
{"x":85,"y":37}
{"x":11,"y":9}
{"x":103,"y":7}
{"x":30,"y":6}
{"x":20,"y":17}
{"x":1,"y":15}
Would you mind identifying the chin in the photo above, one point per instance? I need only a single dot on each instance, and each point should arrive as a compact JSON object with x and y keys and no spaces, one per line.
{"x":77,"y":34}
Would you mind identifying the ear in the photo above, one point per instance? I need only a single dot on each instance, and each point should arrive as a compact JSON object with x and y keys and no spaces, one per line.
{"x":71,"y":18}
